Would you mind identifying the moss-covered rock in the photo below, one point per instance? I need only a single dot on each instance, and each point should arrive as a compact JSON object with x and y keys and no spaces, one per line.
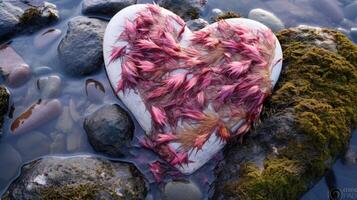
{"x":77,"y":178}
{"x":4,"y":104}
{"x":226,"y":15}
{"x":306,"y":123}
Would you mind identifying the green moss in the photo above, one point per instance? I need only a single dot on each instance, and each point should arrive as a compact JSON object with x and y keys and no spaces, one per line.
{"x":4,"y":103}
{"x":29,"y":15}
{"x":227,"y":15}
{"x":320,"y":87}
{"x":77,"y":192}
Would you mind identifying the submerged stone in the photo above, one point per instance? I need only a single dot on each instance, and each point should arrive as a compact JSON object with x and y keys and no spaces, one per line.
{"x":109,"y":130}
{"x":95,"y":91}
{"x":36,"y":115}
{"x":306,"y":123}
{"x":46,"y":38}
{"x":81,"y":49}
{"x":107,"y":8}
{"x":267,"y":18}
{"x":177,"y":190}
{"x":13,"y":68}
{"x":80,"y":177}
{"x":50,"y":86}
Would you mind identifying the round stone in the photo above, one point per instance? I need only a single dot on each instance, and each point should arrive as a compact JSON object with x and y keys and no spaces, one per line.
{"x":178,"y":190}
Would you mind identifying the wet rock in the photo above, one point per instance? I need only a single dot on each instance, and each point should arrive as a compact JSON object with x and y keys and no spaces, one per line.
{"x":95,"y":91}
{"x":47,"y":37}
{"x":109,"y":129}
{"x":267,"y":18}
{"x":197,"y":24}
{"x":65,"y":122}
{"x":177,"y":190}
{"x":42,"y":112}
{"x":13,"y":68}
{"x":50,"y":86}
{"x":59,"y":144}
{"x":8,"y":18}
{"x":77,"y":178}
{"x":81,"y":49}
{"x":186,"y":9}
{"x":10,"y":162}
{"x":18,"y":17}
{"x":33,"y":145}
{"x":35,"y":17}
{"x":350,"y":11}
{"x":302,"y":130}
{"x":4,"y":105}
{"x":107,"y":8}
{"x":216,"y":12}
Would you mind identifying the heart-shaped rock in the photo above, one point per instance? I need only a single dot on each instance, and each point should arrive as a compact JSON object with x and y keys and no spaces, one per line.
{"x":190,"y":91}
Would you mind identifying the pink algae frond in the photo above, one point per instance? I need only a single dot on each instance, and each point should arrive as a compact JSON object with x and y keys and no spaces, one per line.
{"x":238,"y":68}
{"x":175,"y":81}
{"x":226,"y":91}
{"x":178,"y":20}
{"x":180,"y":158}
{"x":130,"y":27}
{"x":159,"y":115}
{"x":192,"y":114}
{"x":165,"y":138}
{"x":223,"y":132}
{"x":201,"y":140}
{"x":201,"y":98}
{"x":157,"y":170}
{"x":148,"y":45}
{"x":146,"y":66}
{"x":191,"y":83}
{"x":117,"y":52}
{"x":154,"y":9}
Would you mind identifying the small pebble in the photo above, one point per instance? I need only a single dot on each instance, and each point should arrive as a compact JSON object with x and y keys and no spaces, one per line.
{"x":50,"y":86}
{"x":197,"y":24}
{"x":65,"y":122}
{"x":40,"y":113}
{"x":95,"y":91}
{"x":46,"y":38}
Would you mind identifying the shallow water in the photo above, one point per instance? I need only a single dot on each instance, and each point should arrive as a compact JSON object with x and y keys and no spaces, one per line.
{"x":73,"y":96}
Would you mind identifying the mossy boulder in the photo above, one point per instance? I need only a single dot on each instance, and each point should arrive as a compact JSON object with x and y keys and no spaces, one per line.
{"x":17,"y":17}
{"x":77,"y":178}
{"x":4,"y":104}
{"x":306,"y":124}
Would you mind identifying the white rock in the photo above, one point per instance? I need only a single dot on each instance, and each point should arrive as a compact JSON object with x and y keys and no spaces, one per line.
{"x":135,"y":103}
{"x":267,"y":18}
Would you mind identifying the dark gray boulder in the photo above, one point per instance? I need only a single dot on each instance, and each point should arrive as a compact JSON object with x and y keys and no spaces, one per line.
{"x":109,"y":130}
{"x":81,"y":177}
{"x":81,"y":49}
{"x":107,"y":8}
